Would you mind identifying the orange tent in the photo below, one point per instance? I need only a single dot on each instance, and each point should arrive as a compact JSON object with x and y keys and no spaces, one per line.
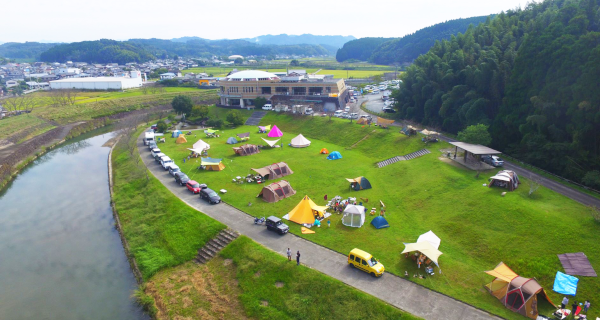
{"x":305,"y":212}
{"x":324,"y":151}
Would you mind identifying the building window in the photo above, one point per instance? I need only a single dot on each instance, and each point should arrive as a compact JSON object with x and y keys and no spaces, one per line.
{"x":281,"y":89}
{"x":315,"y":90}
{"x":265,"y":90}
{"x":299,"y":91}
{"x":328,"y":89}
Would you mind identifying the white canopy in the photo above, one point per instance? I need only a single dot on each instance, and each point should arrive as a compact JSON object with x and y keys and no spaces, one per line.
{"x":271,"y":143}
{"x":501,"y":176}
{"x":426,"y":249}
{"x":354,"y":216}
{"x":300,"y":142}
{"x":430,"y":237}
{"x":200,"y":145}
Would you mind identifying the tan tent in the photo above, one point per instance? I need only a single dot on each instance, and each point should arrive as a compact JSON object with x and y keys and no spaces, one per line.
{"x":305,"y":212}
{"x":212,"y":164}
{"x":277,"y":191}
{"x":181,"y":139}
{"x":515,"y":292}
{"x":505,"y":179}
{"x":384,"y":122}
{"x":246,"y":150}
{"x":274,"y":171}
{"x":362,"y":121}
{"x":300,"y":142}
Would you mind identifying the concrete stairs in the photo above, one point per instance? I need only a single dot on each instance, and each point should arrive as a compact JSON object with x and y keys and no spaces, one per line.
{"x":254,"y":119}
{"x":215,"y":245}
{"x":409,"y":156}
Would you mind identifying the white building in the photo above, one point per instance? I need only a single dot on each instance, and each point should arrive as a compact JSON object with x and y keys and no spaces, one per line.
{"x":167,"y":76}
{"x":67,"y":70}
{"x":99,"y":83}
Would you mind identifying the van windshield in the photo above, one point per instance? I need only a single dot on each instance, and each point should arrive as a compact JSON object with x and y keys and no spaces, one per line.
{"x":372,"y":262}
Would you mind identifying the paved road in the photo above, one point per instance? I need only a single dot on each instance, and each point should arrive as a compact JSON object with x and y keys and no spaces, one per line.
{"x":394,"y":290}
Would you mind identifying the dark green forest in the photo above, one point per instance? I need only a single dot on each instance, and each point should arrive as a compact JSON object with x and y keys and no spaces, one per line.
{"x":27,"y":50}
{"x":101,"y":51}
{"x":359,"y":49}
{"x":530,"y":74}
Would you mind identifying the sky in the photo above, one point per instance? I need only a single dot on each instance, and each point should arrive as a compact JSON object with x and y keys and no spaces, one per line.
{"x":77,"y":20}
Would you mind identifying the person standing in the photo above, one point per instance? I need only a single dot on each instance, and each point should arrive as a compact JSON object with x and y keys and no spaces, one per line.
{"x":298,"y":258}
{"x":574,"y":308}
{"x":565,"y":302}
{"x":289,"y":254}
{"x":328,"y":223}
{"x":325,"y":198}
{"x":586,"y":306}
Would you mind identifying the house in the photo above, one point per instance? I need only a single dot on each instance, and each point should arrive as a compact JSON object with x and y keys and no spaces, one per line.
{"x":11,"y":83}
{"x":168,"y":75}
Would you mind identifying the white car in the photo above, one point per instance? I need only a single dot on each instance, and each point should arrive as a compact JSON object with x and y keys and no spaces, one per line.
{"x":267,"y":106}
{"x":344,"y":115}
{"x":166,"y":162}
{"x":338,"y":113}
{"x":154,"y":152}
{"x":173,"y":168}
{"x":309,"y":111}
{"x":375,"y":91}
{"x":347,"y":109}
{"x":353,"y":115}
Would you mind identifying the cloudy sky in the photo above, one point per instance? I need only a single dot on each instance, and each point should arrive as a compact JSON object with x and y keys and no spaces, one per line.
{"x":77,"y":20}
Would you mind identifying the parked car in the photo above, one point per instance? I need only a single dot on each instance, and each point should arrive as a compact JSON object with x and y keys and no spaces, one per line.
{"x":166,"y":162}
{"x":309,"y":111}
{"x":173,"y":168}
{"x":275,"y":224}
{"x":193,"y":186}
{"x":353,"y":115}
{"x":389,"y":110}
{"x":366,"y":116}
{"x":181,"y":178}
{"x":338,"y":113}
{"x":154,"y":127}
{"x":364,"y":261}
{"x":267,"y":106}
{"x":154,"y":152}
{"x":152,"y":145}
{"x":347,"y":109}
{"x":158,"y":156}
{"x":492,"y":160}
{"x":210,"y":196}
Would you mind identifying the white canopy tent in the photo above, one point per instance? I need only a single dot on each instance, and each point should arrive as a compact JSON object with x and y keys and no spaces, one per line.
{"x":200,"y":145}
{"x":354,"y":216}
{"x":430,"y":237}
{"x":425,"y":248}
{"x":271,"y":143}
{"x":300,"y":142}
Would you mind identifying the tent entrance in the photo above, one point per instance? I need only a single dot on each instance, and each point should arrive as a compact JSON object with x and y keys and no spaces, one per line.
{"x":514,"y":299}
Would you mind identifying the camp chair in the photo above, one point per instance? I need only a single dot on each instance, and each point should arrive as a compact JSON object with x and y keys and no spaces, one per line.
{"x":428,"y":262}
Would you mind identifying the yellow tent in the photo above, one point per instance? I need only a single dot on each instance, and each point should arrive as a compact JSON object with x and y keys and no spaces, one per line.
{"x":305,"y":212}
{"x":425,"y":248}
{"x":306,"y":230}
{"x":212,"y":164}
{"x":181,"y":139}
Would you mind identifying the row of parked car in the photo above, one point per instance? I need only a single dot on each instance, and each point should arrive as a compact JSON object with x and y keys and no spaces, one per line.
{"x":181,"y":178}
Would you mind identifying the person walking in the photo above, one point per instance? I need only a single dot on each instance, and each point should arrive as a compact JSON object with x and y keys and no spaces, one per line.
{"x":328,"y":223}
{"x":565,"y":302}
{"x":298,"y":258}
{"x":574,"y":308}
{"x":586,"y":306}
{"x":289,"y":253}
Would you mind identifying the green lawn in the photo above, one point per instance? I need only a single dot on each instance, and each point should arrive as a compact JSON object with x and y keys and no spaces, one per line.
{"x":12,"y":125}
{"x":478,"y":227}
{"x":223,"y":71}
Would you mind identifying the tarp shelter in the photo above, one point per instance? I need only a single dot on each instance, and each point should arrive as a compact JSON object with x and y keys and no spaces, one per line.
{"x":262,"y":129}
{"x":175,"y":134}
{"x":246,"y":150}
{"x":231,"y":140}
{"x":300,"y":142}
{"x":565,"y":284}
{"x":359,"y":183}
{"x":243,"y":135}
{"x":430,"y":237}
{"x":306,"y":230}
{"x":305,"y":212}
{"x":181,"y":139}
{"x":409,"y":130}
{"x":207,"y":131}
{"x":275,"y":132}
{"x":201,"y":145}
{"x":354,"y":216}
{"x":577,"y":264}
{"x":516,"y":293}
{"x":379,"y":222}
{"x":425,"y":248}
{"x":274,"y":171}
{"x":384,"y":122}
{"x":324,"y":151}
{"x":212,"y":164}
{"x":334,"y":156}
{"x":276,"y":191}
{"x":505,"y":179}
{"x":271,"y":143}
{"x":362,"y":121}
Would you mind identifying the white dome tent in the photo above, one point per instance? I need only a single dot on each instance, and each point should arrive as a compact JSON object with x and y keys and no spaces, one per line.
{"x":354,"y":216}
{"x":300,"y":142}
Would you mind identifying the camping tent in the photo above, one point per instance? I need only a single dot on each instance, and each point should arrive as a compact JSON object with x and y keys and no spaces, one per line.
{"x":384,"y":123}
{"x":359,"y":183}
{"x":181,"y":139}
{"x":201,"y":145}
{"x":305,"y":212}
{"x":362,"y":121}
{"x":274,"y":171}
{"x":516,"y":293}
{"x":354,"y":216}
{"x":275,"y":132}
{"x":334,"y":156}
{"x":175,"y":134}
{"x":271,"y":143}
{"x":565,"y":284}
{"x":231,"y":140}
{"x":430,"y":237}
{"x":425,"y":248}
{"x":212,"y":164}
{"x":246,"y":150}
{"x":379,"y":222}
{"x":276,"y":191}
{"x":300,"y":142}
{"x":409,"y":130}
{"x":505,"y":179}
{"x":244,"y":136}
{"x":324,"y":151}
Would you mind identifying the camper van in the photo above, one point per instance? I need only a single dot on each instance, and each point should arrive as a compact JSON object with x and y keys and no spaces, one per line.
{"x":149,"y":136}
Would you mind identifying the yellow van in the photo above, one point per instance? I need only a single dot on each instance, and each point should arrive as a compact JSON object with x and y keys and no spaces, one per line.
{"x":364,"y":261}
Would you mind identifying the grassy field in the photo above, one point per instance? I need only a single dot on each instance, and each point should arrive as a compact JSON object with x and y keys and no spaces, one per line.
{"x":478,"y":227}
{"x":223,"y":71}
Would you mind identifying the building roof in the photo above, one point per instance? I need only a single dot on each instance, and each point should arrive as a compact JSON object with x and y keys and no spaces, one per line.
{"x":475,"y":148}
{"x":92,"y":79}
{"x":251,"y":75}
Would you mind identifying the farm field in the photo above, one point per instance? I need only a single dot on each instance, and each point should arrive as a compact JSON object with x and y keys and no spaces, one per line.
{"x":478,"y":227}
{"x":223,"y":71}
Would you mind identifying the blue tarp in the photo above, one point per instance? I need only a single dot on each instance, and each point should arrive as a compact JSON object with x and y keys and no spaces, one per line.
{"x":565,"y":284}
{"x":380,"y":222}
{"x":334,"y":156}
{"x":175,"y":134}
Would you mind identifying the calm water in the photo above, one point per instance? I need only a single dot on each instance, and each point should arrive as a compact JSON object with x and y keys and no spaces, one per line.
{"x":60,"y":255}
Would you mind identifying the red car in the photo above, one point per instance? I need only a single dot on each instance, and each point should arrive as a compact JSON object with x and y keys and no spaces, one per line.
{"x":193,"y":186}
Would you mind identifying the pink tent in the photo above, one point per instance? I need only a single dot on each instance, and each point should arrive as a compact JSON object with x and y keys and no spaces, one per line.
{"x":275,"y":132}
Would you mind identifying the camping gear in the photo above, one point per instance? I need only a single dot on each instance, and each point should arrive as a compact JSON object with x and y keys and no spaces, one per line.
{"x":565,"y":284}
{"x":300,"y":142}
{"x":244,"y":136}
{"x":425,"y":248}
{"x":359,"y":183}
{"x":276,"y":191}
{"x":207,"y":131}
{"x":181,"y":139}
{"x":516,"y":293}
{"x":324,"y":151}
{"x":334,"y":156}
{"x":430,"y":136}
{"x":275,"y":132}
{"x":354,"y":216}
{"x":305,"y":212}
{"x":212,"y":164}
{"x":175,"y":134}
{"x":246,"y":150}
{"x":271,"y":143}
{"x":384,"y":123}
{"x":379,"y":222}
{"x":231,"y":140}
{"x":259,"y":220}
{"x":274,"y":171}
{"x":505,"y":179}
{"x":577,"y":264}
{"x":430,"y":237}
{"x":306,"y":230}
{"x":264,"y":129}
{"x":408,"y":130}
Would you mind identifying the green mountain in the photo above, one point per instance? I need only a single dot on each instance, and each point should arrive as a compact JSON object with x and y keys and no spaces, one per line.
{"x":100,"y":51}
{"x":359,"y":49}
{"x":531,"y":74}
{"x":27,"y":50}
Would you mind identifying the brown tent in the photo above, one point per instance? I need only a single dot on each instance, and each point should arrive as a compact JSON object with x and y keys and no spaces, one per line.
{"x":277,"y":191}
{"x":362,"y":121}
{"x":274,"y":171}
{"x":384,"y":123}
{"x":246,"y":150}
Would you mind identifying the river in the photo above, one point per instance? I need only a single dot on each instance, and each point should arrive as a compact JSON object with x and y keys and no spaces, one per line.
{"x":60,"y":254}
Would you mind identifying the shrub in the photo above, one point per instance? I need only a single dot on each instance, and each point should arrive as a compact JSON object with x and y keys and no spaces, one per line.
{"x":235,"y":118}
{"x":161,"y":126}
{"x":215,"y":123}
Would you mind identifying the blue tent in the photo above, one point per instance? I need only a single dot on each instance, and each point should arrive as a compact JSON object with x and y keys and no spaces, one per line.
{"x":565,"y":284}
{"x":334,"y":156}
{"x":231,"y":140}
{"x":175,"y":134}
{"x":380,"y":222}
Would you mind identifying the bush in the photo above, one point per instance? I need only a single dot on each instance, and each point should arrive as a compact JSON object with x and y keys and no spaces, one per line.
{"x":592,"y":179}
{"x":259,"y":102}
{"x":182,"y":104}
{"x":161,"y":126}
{"x":235,"y":118}
{"x":200,"y":112}
{"x":215,"y":123}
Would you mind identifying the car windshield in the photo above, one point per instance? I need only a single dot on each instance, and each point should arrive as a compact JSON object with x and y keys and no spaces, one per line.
{"x":212,"y":194}
{"x":497,"y":159}
{"x":372,"y":262}
{"x":197,"y":185}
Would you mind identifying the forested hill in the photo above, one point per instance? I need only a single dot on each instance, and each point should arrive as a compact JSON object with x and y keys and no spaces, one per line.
{"x":101,"y":51}
{"x":531,"y":74}
{"x":359,"y":49}
{"x":27,"y":50}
